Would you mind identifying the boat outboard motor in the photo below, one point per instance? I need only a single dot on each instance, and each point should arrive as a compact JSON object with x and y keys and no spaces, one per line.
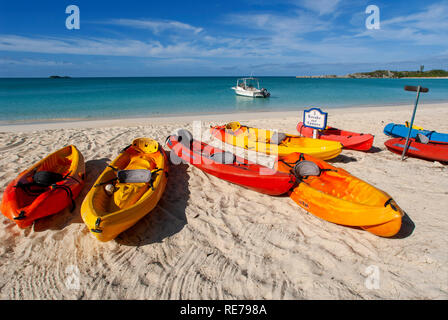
{"x":265,"y":92}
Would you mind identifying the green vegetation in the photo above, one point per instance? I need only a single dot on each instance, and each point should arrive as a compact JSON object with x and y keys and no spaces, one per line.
{"x":431,"y":73}
{"x":400,"y":74}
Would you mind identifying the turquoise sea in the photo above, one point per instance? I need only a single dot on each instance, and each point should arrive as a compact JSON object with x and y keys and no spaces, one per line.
{"x":92,"y":98}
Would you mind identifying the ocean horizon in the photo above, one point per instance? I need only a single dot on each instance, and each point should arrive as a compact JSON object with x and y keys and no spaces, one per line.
{"x":45,"y":99}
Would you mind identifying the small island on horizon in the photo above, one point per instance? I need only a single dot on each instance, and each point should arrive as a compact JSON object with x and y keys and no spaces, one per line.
{"x":387,"y":74}
{"x":60,"y":77}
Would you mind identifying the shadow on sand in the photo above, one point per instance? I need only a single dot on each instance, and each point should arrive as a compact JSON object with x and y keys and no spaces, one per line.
{"x":342,"y":159}
{"x":64,"y":218}
{"x":374,"y":150}
{"x":168,"y":217}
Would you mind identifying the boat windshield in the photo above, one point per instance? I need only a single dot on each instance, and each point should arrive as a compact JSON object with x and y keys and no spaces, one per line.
{"x":249,"y":83}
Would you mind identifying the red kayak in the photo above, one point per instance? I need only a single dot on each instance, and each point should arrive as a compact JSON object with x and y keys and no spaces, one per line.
{"x":229,"y":167}
{"x":46,"y":188}
{"x":426,"y":151}
{"x":350,"y":140}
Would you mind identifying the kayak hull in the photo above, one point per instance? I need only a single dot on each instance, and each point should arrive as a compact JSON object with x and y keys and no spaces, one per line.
{"x":242,"y":172}
{"x":349,"y":140}
{"x":258,"y":140}
{"x":338,"y":197}
{"x":401,"y":131}
{"x":104,"y":216}
{"x":16,"y":201}
{"x":429,"y":151}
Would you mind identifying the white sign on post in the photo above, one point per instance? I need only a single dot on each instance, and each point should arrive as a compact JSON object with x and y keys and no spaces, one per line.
{"x":316,"y":119}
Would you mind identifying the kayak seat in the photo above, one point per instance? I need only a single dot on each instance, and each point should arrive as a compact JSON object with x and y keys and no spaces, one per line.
{"x":134,"y":176}
{"x":422,"y":138}
{"x":133,"y":181}
{"x":185,"y":137}
{"x":223,"y":157}
{"x":277,"y":138}
{"x":35,"y":184}
{"x":47,"y":178}
{"x":306,"y":168}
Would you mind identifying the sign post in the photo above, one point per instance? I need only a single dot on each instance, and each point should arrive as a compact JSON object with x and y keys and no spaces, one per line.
{"x":418,"y":90}
{"x":316,"y":119}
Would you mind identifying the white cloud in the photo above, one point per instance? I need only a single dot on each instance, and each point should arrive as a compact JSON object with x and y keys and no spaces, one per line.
{"x":117,"y":47}
{"x":322,"y":7}
{"x":33,"y":62}
{"x":427,"y":27}
{"x":156,"y":26}
{"x":296,"y":23}
{"x":85,"y":46}
{"x":433,"y":18}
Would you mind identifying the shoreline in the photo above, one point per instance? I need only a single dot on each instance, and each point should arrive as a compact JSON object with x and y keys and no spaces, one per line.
{"x":138,"y":121}
{"x":424,"y":78}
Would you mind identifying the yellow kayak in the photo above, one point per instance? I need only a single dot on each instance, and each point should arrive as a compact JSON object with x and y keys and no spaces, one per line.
{"x":413,"y":127}
{"x":128,"y":189}
{"x":275,"y":143}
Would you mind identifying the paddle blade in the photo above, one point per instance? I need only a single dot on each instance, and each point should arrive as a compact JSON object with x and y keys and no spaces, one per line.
{"x":414,"y":88}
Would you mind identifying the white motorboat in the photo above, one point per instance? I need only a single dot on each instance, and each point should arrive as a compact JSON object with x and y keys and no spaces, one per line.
{"x":250,"y":87}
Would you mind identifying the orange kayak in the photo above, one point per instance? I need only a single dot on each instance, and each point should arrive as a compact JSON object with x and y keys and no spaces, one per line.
{"x":333,"y":194}
{"x":47,"y":187}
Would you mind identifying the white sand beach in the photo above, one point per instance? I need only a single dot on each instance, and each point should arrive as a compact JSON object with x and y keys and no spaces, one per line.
{"x":208,"y":239}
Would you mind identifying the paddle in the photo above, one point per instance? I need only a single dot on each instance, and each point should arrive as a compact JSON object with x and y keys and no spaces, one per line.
{"x":418,"y":90}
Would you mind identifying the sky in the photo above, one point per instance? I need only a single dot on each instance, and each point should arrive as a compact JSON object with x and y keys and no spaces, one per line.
{"x":220,"y":38}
